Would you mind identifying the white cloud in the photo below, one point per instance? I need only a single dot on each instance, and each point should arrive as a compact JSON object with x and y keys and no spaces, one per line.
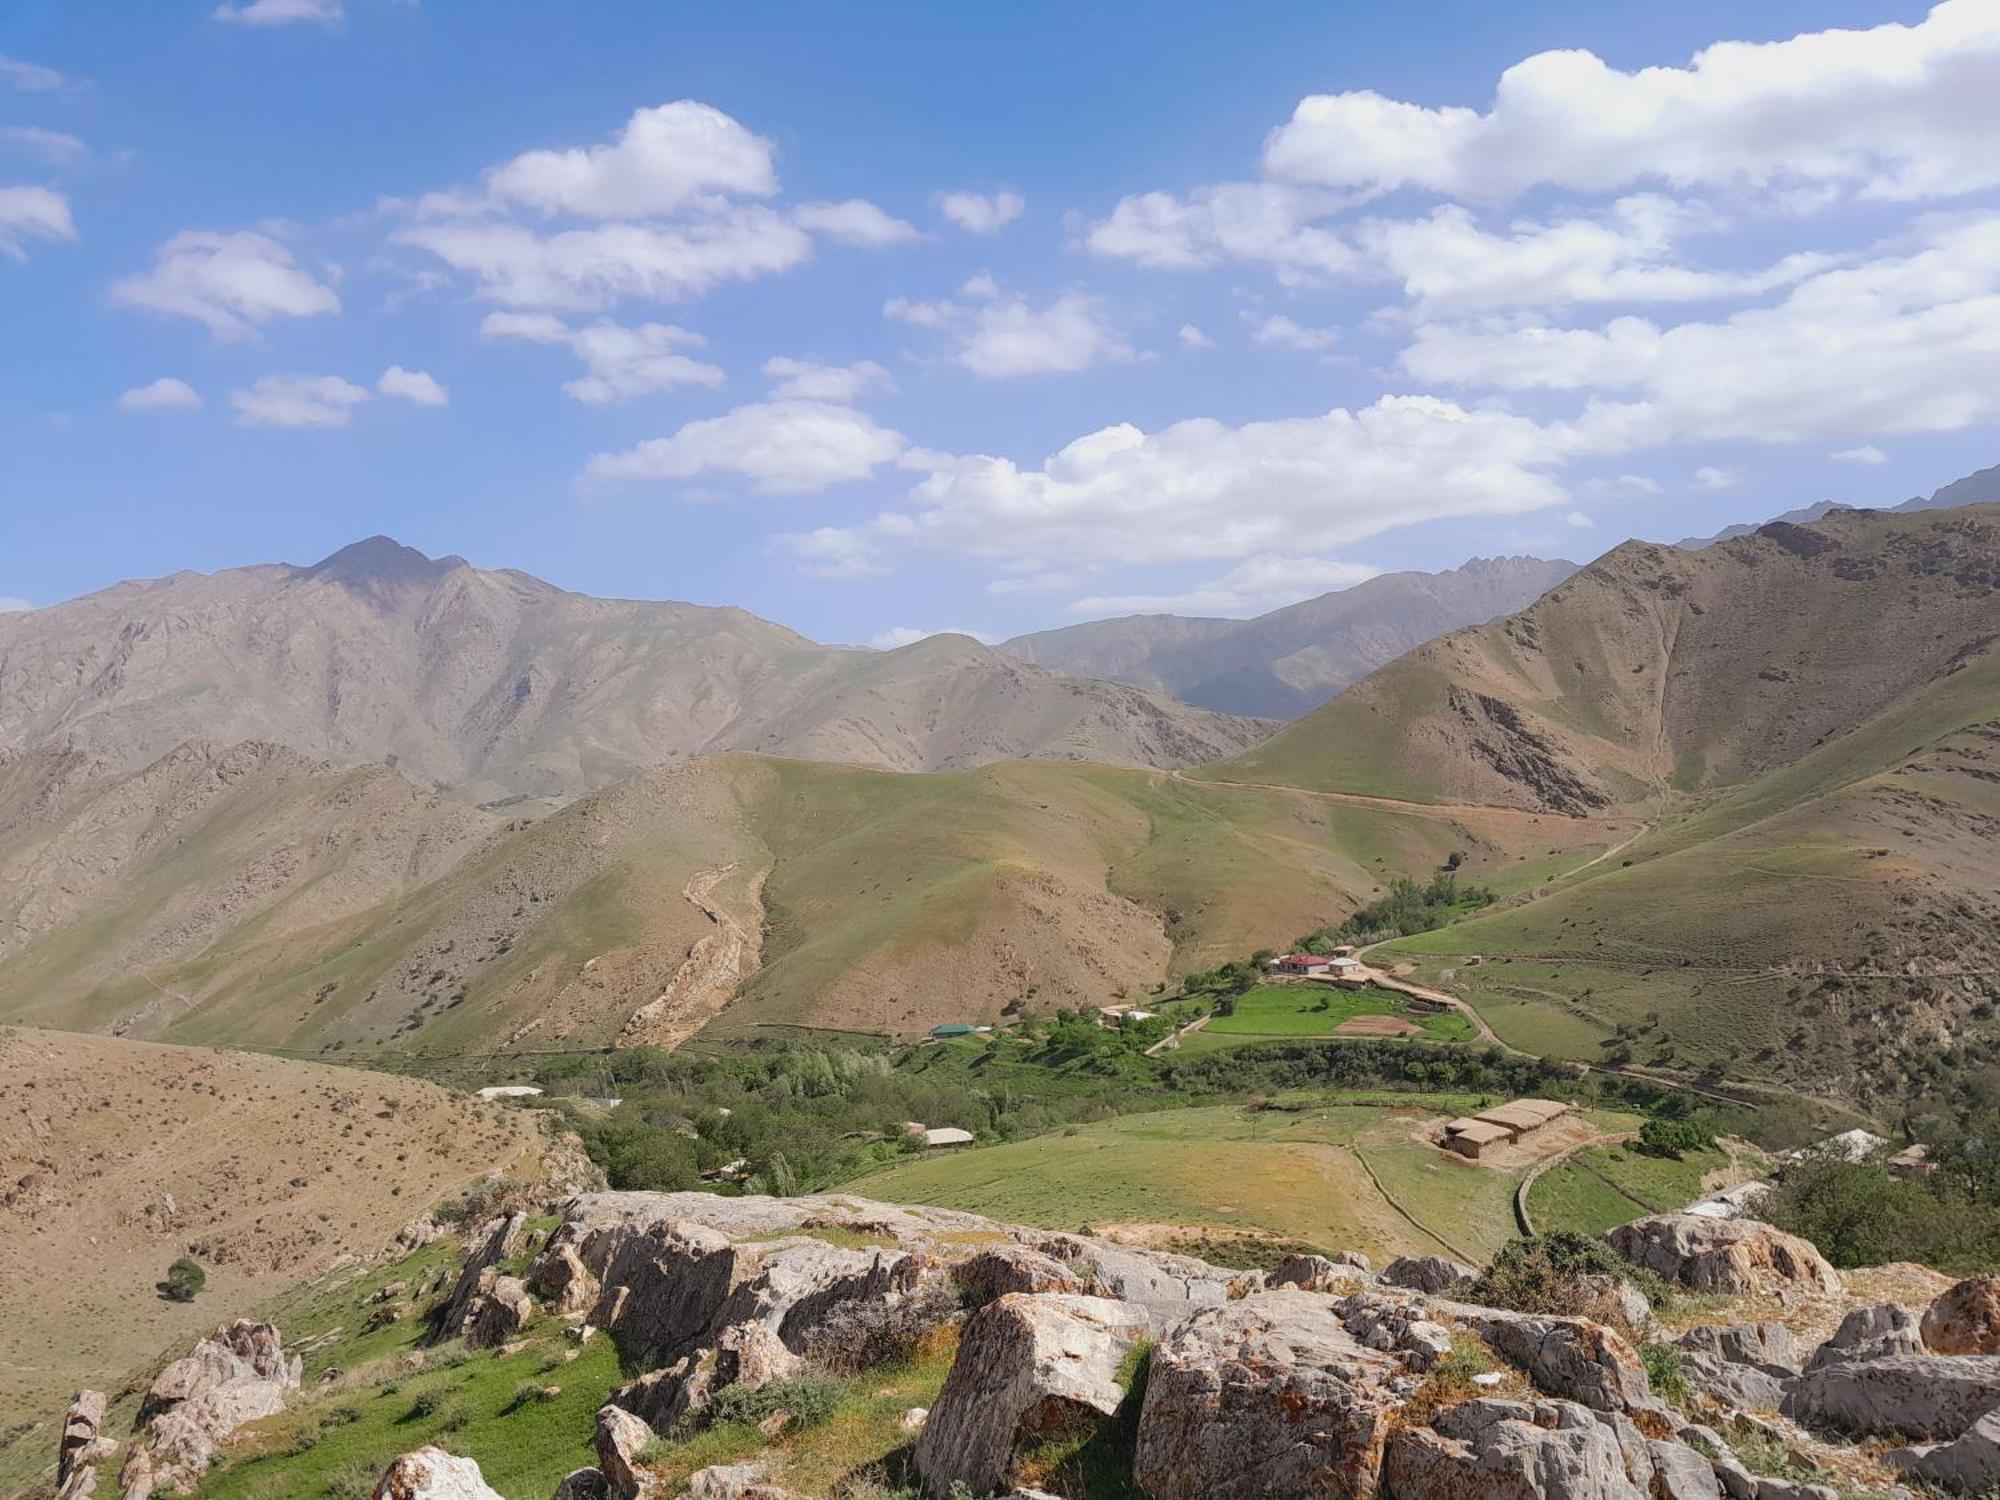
{"x":1046,"y":581}
{"x":57,"y":146}
{"x":854,"y":222}
{"x":664,"y":159}
{"x":1708,"y":477}
{"x":908,"y":635}
{"x":623,"y":361}
{"x":1900,"y":343}
{"x":778,"y":447}
{"x":810,"y":380}
{"x":982,"y":213}
{"x":834,"y":552}
{"x":9,"y":605}
{"x":1579,"y":520}
{"x":32,"y":213}
{"x":981,"y":285}
{"x":229,"y":282}
{"x":164,"y":394}
{"x":1281,"y":332}
{"x":587,"y":269}
{"x":297,"y":401}
{"x":1449,"y":265}
{"x":1266,"y":581}
{"x":281,"y":12}
{"x":1192,"y":337}
{"x":1006,"y":337}
{"x":30,"y":78}
{"x":1261,"y":222}
{"x":1868,"y":453}
{"x":413,"y":385}
{"x":1202,"y":490}
{"x":1892,"y":112}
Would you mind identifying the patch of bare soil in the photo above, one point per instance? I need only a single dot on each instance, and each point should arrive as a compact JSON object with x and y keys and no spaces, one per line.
{"x":116,"y":1157}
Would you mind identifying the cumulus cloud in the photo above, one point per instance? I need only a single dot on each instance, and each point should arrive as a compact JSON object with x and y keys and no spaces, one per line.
{"x":854,"y":222}
{"x":810,"y":380}
{"x":1893,"y":111}
{"x":228,"y":282}
{"x":982,"y":213}
{"x":1005,"y":337}
{"x":1266,"y":581}
{"x":30,"y":78}
{"x":1867,"y":453}
{"x":785,"y":447}
{"x":281,"y":12}
{"x":588,"y":269}
{"x":57,"y":146}
{"x":834,"y":552}
{"x":1898,"y":343}
{"x":32,"y":213}
{"x":1708,"y":477}
{"x":416,"y":386}
{"x":1281,"y":332}
{"x":297,"y":401}
{"x":1192,"y":337}
{"x":623,"y":361}
{"x":665,"y":158}
{"x":1202,"y":490}
{"x":1449,"y":265}
{"x":1256,"y":222}
{"x":164,"y":394}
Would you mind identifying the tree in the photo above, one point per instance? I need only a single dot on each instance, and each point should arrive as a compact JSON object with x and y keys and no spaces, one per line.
{"x":1660,"y":1137}
{"x":185,"y":1278}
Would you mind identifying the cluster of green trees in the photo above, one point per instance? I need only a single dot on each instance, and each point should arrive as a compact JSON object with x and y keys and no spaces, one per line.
{"x":1411,"y":906}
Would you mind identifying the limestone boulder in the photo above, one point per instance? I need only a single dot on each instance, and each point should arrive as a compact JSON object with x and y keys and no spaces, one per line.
{"x":1570,"y":1359}
{"x":1769,"y":1346}
{"x":620,"y":1440}
{"x":1733,"y":1385}
{"x":1506,"y":1450}
{"x":1871,"y":1333}
{"x":82,"y":1446}
{"x":1319,"y":1273}
{"x":433,"y":1474}
{"x":1965,"y":1319}
{"x":1968,"y":1465}
{"x":496,"y":1240}
{"x":562,"y":1282}
{"x":992,"y":1274}
{"x":1269,"y":1396}
{"x":1928,"y":1396}
{"x":1027,"y":1366}
{"x":499,"y":1312}
{"x":582,"y":1484}
{"x":1725,"y":1255}
{"x":1426,"y":1273}
{"x":235,"y":1376}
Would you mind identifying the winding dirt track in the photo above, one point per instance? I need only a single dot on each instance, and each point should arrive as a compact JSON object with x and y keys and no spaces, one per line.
{"x":710,"y":975}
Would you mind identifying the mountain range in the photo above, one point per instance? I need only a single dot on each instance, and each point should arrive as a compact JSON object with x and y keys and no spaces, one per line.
{"x":1289,"y":661}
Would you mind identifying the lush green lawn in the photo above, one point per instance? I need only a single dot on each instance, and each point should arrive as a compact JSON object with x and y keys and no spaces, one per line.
{"x":1312,"y":1010}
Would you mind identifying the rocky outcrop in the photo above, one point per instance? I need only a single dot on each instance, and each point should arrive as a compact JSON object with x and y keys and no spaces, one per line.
{"x":620,"y":1440}
{"x":1725,"y":1255}
{"x":1425,"y":1273}
{"x":1769,"y":1346}
{"x":433,"y":1474}
{"x":83,"y":1447}
{"x":1968,"y":1465}
{"x":1870,"y":1333}
{"x":1933,"y":1396}
{"x":1027,"y":1366}
{"x":582,"y":1484}
{"x":992,"y":1274}
{"x":1733,"y":1385}
{"x":563,"y":1282}
{"x":1264,"y":1397}
{"x":1965,"y":1319}
{"x":1319,"y":1273}
{"x":1571,"y":1359}
{"x":1504,"y":1450}
{"x":499,"y":1311}
{"x":236,"y":1375}
{"x":496,"y":1241}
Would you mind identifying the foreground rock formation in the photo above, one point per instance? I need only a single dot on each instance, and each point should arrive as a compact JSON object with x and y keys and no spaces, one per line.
{"x":1319,"y":1379}
{"x":236,"y":1375}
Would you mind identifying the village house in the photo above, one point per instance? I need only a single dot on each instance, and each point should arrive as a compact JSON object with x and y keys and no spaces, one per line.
{"x":1302,"y":963}
{"x":1502,"y":1125}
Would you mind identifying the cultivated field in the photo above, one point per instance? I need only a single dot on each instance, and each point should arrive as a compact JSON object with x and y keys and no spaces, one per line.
{"x":1278,"y":1012}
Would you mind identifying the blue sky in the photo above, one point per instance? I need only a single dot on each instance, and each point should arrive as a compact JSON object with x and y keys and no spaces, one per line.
{"x":1073,"y":310}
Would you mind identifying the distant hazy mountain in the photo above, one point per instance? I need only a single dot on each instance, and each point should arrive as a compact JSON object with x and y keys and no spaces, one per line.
{"x":1975,"y":489}
{"x":496,"y":685}
{"x":1288,"y":662}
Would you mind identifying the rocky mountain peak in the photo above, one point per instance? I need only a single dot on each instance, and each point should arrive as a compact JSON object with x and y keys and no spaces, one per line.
{"x":380,"y":563}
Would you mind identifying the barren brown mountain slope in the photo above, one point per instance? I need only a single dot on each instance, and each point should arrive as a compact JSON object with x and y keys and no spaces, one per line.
{"x":728,"y":893}
{"x":498,"y":686}
{"x":1657,"y":670}
{"x":116,"y":1157}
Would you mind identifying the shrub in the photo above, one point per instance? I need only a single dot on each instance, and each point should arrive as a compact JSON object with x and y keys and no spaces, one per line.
{"x":1663,"y":1373}
{"x":353,"y":1480}
{"x":1858,"y":1215}
{"x":184,"y":1280}
{"x":1662,"y":1137}
{"x":1550,"y":1274}
{"x":810,"y":1399}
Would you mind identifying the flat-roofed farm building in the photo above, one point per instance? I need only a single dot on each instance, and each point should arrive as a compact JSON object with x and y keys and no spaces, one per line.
{"x":1473,"y":1137}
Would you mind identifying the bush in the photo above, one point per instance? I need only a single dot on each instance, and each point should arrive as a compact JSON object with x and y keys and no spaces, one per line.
{"x":1547,"y":1274}
{"x":1858,"y":1215}
{"x":810,"y":1399}
{"x":353,"y":1480}
{"x":184,"y":1281}
{"x":1662,"y":1137}
{"x":1663,"y":1373}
